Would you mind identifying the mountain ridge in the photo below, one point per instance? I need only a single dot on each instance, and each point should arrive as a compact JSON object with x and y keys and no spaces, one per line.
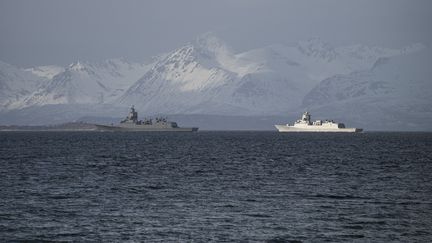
{"x":206,"y":76}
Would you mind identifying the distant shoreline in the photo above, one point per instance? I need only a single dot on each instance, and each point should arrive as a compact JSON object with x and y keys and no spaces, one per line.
{"x":71,"y":126}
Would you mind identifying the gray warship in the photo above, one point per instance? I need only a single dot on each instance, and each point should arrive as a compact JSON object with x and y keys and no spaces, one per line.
{"x":159,"y":124}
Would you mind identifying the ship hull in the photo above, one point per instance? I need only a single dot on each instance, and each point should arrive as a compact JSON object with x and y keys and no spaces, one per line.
{"x":144,"y":129}
{"x":284,"y":128}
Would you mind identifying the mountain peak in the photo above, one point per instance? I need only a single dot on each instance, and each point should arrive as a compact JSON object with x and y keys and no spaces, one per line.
{"x":315,"y":42}
{"x":209,"y":43}
{"x":209,"y":40}
{"x":318,"y":48}
{"x":76,"y":66}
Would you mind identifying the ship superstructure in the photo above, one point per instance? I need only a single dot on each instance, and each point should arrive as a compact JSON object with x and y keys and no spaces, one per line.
{"x":305,"y":124}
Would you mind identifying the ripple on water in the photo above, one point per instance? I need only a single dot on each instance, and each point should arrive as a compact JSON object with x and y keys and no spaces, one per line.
{"x":216,"y":186}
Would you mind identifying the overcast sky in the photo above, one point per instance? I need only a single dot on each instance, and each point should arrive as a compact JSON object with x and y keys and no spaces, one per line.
{"x":39,"y":32}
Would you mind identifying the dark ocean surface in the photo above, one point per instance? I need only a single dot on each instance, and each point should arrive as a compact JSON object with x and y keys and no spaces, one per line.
{"x":215,"y":186}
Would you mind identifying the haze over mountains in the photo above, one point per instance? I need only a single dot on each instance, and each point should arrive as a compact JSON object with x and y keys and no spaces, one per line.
{"x":371,"y":87}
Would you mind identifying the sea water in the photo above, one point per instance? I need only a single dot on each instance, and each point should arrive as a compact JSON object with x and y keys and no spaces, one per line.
{"x":215,"y":186}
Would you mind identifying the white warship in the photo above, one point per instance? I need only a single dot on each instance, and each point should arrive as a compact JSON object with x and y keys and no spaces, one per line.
{"x":159,"y":124}
{"x":306,"y":125}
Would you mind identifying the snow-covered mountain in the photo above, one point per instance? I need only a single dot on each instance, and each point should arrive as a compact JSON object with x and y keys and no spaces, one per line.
{"x":195,"y":78}
{"x":206,"y":76}
{"x":16,"y":84}
{"x":396,"y":91}
{"x":87,"y":83}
